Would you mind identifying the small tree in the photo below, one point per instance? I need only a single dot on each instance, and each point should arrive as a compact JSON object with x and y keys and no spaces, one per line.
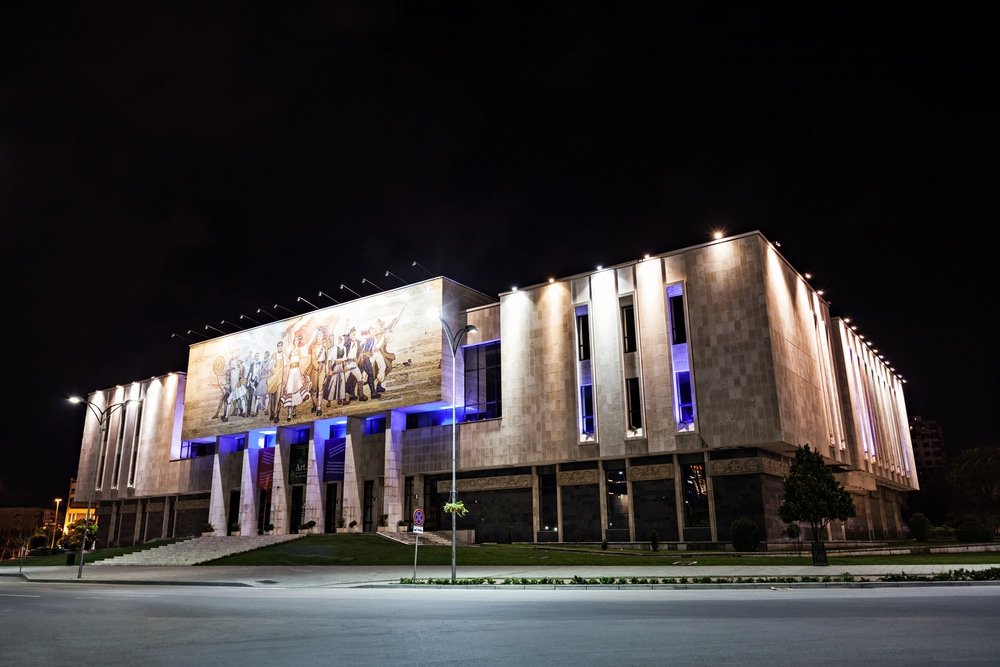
{"x":920,"y":527}
{"x":71,"y":539}
{"x":814,"y":496}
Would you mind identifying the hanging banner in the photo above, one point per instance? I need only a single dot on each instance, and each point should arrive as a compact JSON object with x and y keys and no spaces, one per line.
{"x":333,"y":460}
{"x":265,"y":468}
{"x":298,"y":463}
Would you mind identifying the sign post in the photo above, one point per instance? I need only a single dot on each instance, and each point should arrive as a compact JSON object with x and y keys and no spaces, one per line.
{"x":418,"y":528}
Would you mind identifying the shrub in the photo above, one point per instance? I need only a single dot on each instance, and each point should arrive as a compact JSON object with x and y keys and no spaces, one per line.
{"x":942,"y":533}
{"x":352,"y":524}
{"x":208,"y":528}
{"x":920,"y":527}
{"x":972,"y":529}
{"x":745,"y":534}
{"x":307,"y":525}
{"x":654,"y":540}
{"x":604,"y":545}
{"x":793,"y":531}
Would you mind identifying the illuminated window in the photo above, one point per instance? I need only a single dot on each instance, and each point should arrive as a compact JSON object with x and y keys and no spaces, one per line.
{"x":584,"y":376}
{"x":482,"y":381}
{"x":193,"y":450}
{"x":119,"y":446}
{"x":582,"y":333}
{"x":685,"y":410}
{"x":136,"y":430}
{"x":695,"y":495}
{"x":587,"y":410}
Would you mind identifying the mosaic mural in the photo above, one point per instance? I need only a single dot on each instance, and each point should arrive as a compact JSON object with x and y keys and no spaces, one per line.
{"x":375,"y":353}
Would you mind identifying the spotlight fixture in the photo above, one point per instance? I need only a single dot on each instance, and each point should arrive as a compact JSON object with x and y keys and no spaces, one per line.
{"x":307,"y":302}
{"x":343,"y":286}
{"x":551,"y":280}
{"x":513,"y":288}
{"x":322,"y":293}
{"x":777,"y":244}
{"x":173,"y":335}
{"x":422,"y":268}
{"x":209,"y":326}
{"x":807,"y":275}
{"x":717,"y":234}
{"x":820,"y":292}
{"x":365,"y":280}
{"x":191,"y":331}
{"x":261,"y":311}
{"x":238,"y":328}
{"x":247,"y":317}
{"x":847,"y":320}
{"x":278,"y":305}
{"x":390,"y":273}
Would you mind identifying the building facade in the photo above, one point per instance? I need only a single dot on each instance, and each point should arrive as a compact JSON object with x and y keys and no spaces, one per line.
{"x":662,"y":396}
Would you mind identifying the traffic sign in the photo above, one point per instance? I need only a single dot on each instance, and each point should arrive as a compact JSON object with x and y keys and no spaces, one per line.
{"x":418,"y":529}
{"x":418,"y":517}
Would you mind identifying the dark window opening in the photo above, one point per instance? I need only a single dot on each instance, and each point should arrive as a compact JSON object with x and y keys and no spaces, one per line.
{"x":583,"y":336}
{"x":633,"y":403}
{"x":482,"y":382}
{"x":678,"y":326}
{"x":628,"y":328}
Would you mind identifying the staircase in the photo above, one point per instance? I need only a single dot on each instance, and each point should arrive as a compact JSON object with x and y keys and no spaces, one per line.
{"x":197,"y":550}
{"x":442,"y":539}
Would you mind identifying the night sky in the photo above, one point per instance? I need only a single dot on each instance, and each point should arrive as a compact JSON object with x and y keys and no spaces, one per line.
{"x":163,"y":168}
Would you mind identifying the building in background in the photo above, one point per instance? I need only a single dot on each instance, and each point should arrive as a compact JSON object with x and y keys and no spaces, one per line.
{"x":929,"y":453}
{"x":665,"y":395}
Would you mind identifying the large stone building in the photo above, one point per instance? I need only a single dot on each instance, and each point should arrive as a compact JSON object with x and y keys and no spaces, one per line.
{"x":665,"y":394}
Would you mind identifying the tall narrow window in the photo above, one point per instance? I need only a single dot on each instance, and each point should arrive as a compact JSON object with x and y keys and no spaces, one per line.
{"x":119,"y":446}
{"x":678,"y":324}
{"x":135,"y":444}
{"x":584,"y":375}
{"x":102,"y":454}
{"x":628,"y":329}
{"x":685,"y":411}
{"x":583,"y":333}
{"x":482,"y":381}
{"x":587,"y":409}
{"x":633,"y":403}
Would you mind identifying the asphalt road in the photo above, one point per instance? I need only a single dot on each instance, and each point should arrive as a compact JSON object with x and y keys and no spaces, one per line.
{"x":91,"y":624}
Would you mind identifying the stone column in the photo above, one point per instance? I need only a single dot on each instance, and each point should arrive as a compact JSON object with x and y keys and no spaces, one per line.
{"x":351,"y":505}
{"x":392,"y":489}
{"x":217,"y":502}
{"x":314,"y":509}
{"x":535,"y":504}
{"x":248,"y":492}
{"x":279,"y":499}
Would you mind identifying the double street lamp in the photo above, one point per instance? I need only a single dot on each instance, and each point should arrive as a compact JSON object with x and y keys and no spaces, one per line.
{"x":103,"y":419}
{"x":454,"y":341}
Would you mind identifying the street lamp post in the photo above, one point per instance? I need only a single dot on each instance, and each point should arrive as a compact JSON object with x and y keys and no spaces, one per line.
{"x":103,"y":418}
{"x":454,"y":341}
{"x":55,"y":523}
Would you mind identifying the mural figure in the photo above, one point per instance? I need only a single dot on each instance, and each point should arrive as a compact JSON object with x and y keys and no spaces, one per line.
{"x":318,"y":369}
{"x":276,"y":382}
{"x":237,"y":403}
{"x":260,"y":395}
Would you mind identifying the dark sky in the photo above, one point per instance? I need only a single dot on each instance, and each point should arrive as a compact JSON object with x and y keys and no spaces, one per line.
{"x":167,"y":167}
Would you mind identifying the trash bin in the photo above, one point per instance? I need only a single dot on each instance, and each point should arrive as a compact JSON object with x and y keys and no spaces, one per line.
{"x":71,"y":558}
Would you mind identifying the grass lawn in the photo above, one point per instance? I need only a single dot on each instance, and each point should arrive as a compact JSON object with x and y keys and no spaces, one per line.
{"x":355,"y":549}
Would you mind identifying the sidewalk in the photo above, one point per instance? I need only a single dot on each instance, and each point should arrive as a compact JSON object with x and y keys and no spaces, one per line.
{"x":346,"y":576}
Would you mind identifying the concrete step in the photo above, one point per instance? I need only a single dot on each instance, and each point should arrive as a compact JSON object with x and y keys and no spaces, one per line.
{"x":197,"y":550}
